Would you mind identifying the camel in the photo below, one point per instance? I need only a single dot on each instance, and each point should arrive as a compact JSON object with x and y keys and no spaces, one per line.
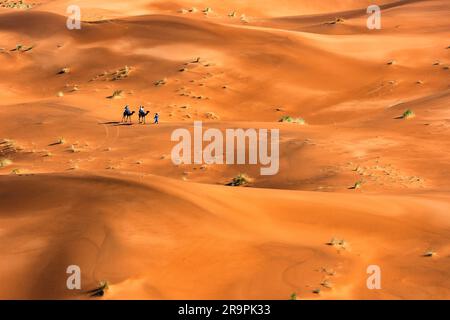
{"x":142,"y":116}
{"x":127,"y":115}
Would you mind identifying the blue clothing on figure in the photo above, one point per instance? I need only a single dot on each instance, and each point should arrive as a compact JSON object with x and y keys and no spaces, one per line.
{"x":156,"y":117}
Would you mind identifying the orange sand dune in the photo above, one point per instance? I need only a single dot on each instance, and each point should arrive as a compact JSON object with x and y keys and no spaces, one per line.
{"x":107,"y":9}
{"x":159,"y":239}
{"x":78,"y":187}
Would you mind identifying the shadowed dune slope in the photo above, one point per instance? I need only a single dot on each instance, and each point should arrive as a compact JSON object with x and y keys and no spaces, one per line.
{"x":160,"y":239}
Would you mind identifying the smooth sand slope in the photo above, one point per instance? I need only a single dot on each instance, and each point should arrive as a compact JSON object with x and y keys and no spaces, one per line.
{"x":78,"y":187}
{"x":165,"y":239}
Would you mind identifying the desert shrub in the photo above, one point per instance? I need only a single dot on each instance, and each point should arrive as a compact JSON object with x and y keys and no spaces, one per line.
{"x":240,"y":180}
{"x":19,"y":4}
{"x":408,"y":114}
{"x":326,"y":283}
{"x":357,"y":185}
{"x":100,"y":290}
{"x":73,"y":149}
{"x":341,"y":243}
{"x":211,"y":116}
{"x":5,"y":163}
{"x":121,"y":73}
{"x":117,"y":94}
{"x":160,"y":82}
{"x":64,"y":70}
{"x":429,"y":253}
{"x":335,"y":21}
{"x":22,"y":48}
{"x":8,"y":146}
{"x":292,"y":120}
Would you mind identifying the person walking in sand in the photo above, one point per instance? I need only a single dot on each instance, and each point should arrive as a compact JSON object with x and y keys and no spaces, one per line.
{"x":156,"y":117}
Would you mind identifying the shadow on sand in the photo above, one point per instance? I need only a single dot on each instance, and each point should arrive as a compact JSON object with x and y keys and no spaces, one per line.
{"x":116,"y":123}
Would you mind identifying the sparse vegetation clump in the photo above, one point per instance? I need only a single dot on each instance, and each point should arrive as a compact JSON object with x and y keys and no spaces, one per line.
{"x":408,"y":114}
{"x":329,"y":272}
{"x":160,"y":82}
{"x":293,"y":296}
{"x":5,"y":163}
{"x":335,"y":21}
{"x":357,"y":185}
{"x":244,"y":19}
{"x":117,"y":94}
{"x":290,"y":119}
{"x":102,"y":287}
{"x":19,"y":4}
{"x":240,"y":180}
{"x":341,"y":243}
{"x":189,"y":10}
{"x":22,"y":48}
{"x":429,"y":253}
{"x":73,"y":149}
{"x":64,"y":70}
{"x":61,"y":140}
{"x":121,"y":73}
{"x":207,"y":11}
{"x":118,"y":74}
{"x":326,"y":284}
{"x":7,"y":146}
{"x":211,"y":116}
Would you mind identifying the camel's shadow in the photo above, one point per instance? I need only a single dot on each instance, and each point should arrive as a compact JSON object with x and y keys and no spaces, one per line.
{"x":116,"y":123}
